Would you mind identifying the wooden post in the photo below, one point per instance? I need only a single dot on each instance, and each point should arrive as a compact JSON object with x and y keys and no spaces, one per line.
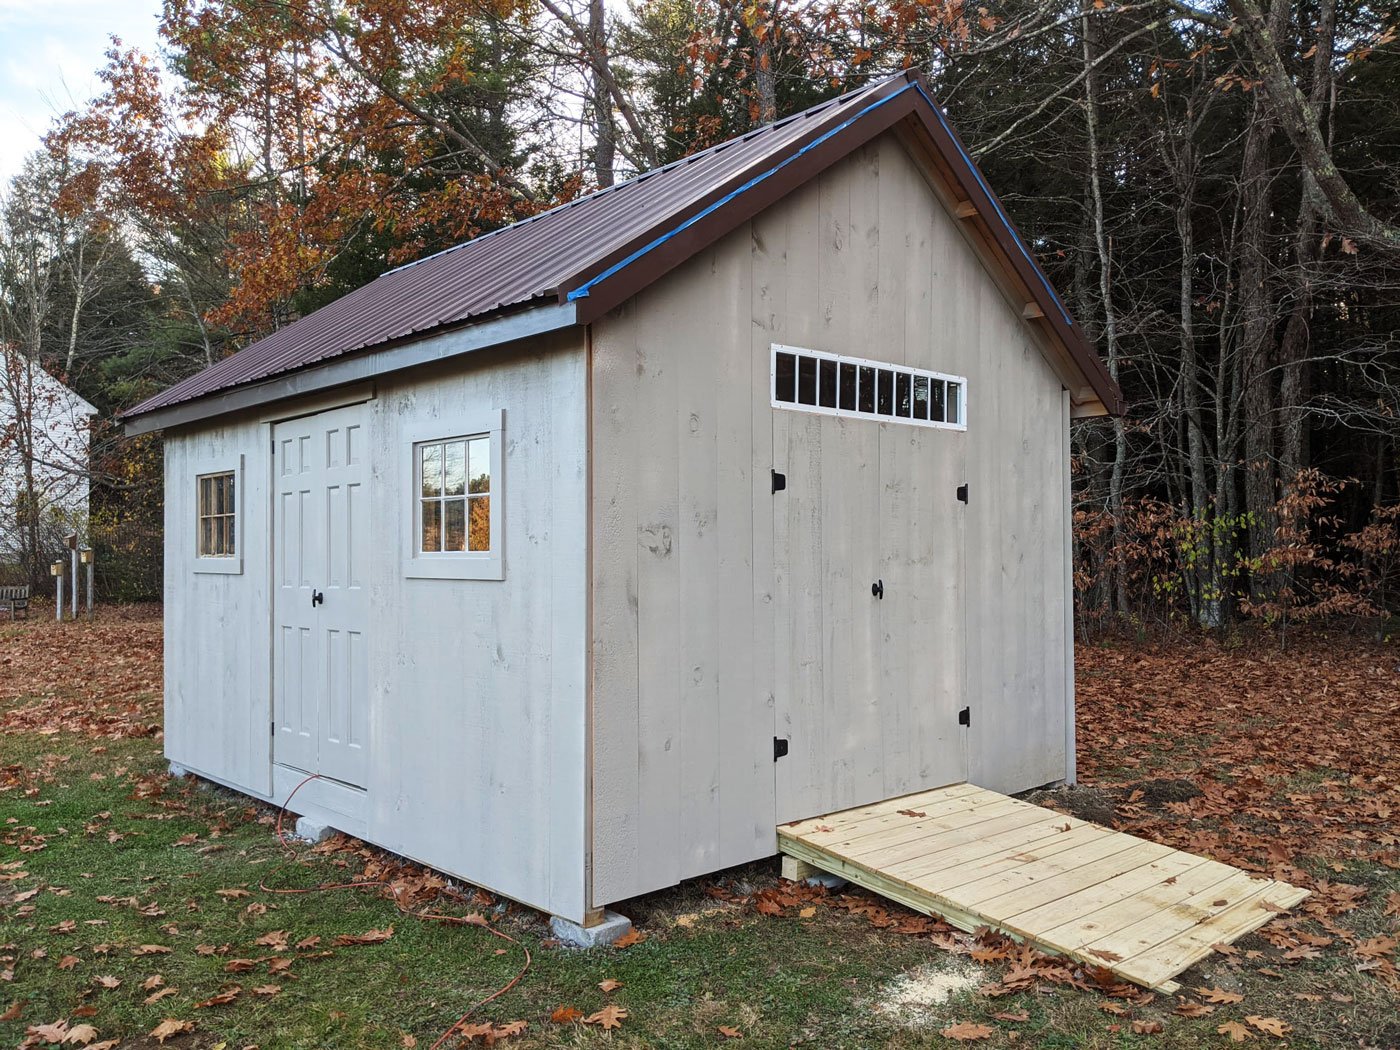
{"x":87,"y":557}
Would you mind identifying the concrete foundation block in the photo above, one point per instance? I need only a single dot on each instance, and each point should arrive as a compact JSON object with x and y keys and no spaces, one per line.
{"x":313,"y":831}
{"x":610,"y":929}
{"x":795,"y":870}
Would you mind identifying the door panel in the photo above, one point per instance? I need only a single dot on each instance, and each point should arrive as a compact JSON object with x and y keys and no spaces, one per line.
{"x":921,"y":620}
{"x":320,"y":680}
{"x":294,"y":699}
{"x":826,"y":533}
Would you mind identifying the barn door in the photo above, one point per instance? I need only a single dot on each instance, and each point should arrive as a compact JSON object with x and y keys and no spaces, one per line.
{"x":922,"y":627}
{"x":869,"y":654}
{"x":826,"y":555}
{"x":320,"y":595}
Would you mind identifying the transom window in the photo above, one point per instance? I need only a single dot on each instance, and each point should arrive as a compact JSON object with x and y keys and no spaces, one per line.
{"x":454,"y":487}
{"x":218,"y":525}
{"x":814,"y":381}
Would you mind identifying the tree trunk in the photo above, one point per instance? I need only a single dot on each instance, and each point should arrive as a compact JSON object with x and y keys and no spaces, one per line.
{"x":1110,"y":319}
{"x":1257,"y":341}
{"x":604,"y":130}
{"x":1296,"y":342}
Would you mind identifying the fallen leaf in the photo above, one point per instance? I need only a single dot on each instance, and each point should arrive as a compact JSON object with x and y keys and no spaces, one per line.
{"x":609,"y":985}
{"x":565,"y":1014}
{"x":80,"y":1035}
{"x":1190,"y":1008}
{"x":610,"y":1016}
{"x":346,"y":940}
{"x":1147,"y":1027}
{"x":1237,"y":1032}
{"x":107,"y":981}
{"x":806,"y":913}
{"x":221,"y":999}
{"x":163,"y":1031}
{"x":308,"y":942}
{"x":156,"y":997}
{"x":68,"y":962}
{"x":153,"y":981}
{"x":13,"y":1013}
{"x":151,"y":949}
{"x":267,"y":989}
{"x":966,"y":1032}
{"x":912,"y":813}
{"x":1015,"y":1018}
{"x":239,"y":965}
{"x":1106,"y":956}
{"x":1219,"y":995}
{"x":1270,"y":1025}
{"x":730,"y":1033}
{"x":631,"y":937}
{"x":233,"y":894}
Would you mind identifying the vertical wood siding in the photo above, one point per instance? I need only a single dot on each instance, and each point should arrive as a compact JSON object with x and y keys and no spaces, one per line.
{"x":217,"y":706}
{"x":477,"y":687}
{"x":864,"y":261}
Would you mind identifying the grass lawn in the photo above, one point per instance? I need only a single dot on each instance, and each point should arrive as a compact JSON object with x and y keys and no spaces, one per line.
{"x":128,"y":899}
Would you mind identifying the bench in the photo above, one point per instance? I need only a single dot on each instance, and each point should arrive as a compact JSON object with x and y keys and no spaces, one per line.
{"x":14,"y":600}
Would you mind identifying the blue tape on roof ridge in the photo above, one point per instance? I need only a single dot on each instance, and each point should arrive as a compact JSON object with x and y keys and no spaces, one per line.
{"x":583,"y":290}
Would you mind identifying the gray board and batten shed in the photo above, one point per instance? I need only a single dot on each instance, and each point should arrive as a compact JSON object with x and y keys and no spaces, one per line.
{"x":573,"y":560}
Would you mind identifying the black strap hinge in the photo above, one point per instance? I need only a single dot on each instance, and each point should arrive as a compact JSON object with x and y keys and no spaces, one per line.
{"x":962,"y":493}
{"x":779,"y":481}
{"x":780,"y":747}
{"x":965,"y":717}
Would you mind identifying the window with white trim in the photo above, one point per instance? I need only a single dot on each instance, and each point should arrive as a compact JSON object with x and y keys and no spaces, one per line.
{"x":455,"y":496}
{"x":454,"y":506}
{"x":218,"y":516}
{"x":831,"y":384}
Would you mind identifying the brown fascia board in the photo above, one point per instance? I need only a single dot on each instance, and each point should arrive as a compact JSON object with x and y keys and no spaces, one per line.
{"x":912,"y":101}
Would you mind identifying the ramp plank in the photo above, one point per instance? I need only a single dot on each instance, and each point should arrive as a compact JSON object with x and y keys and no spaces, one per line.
{"x":977,"y":858}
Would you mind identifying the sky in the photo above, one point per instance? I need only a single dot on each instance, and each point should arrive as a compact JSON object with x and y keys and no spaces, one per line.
{"x":50,"y":51}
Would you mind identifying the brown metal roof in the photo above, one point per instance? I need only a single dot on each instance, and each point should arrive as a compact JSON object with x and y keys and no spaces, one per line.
{"x":589,"y":250}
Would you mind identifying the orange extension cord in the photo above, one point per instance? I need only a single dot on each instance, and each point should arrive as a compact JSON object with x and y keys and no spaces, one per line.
{"x":456,"y":920}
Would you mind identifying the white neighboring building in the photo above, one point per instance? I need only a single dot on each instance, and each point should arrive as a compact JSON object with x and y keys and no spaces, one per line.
{"x":34,"y":402}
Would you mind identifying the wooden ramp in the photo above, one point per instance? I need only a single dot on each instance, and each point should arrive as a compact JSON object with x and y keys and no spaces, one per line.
{"x":977,"y":858}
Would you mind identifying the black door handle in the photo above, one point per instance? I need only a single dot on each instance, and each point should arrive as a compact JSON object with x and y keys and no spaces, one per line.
{"x":878,"y":588}
{"x":317,"y":598}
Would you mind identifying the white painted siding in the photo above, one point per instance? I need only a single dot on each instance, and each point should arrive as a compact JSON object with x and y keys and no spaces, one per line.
{"x":864,"y":261}
{"x":477,"y":702}
{"x":58,"y":421}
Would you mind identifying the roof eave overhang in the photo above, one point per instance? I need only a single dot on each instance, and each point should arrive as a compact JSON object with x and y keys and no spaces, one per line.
{"x":611,"y":281}
{"x":438,"y":344}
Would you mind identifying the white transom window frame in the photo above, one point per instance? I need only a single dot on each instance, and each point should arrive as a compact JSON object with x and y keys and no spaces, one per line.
{"x":220,"y":564}
{"x":873,"y":417}
{"x":453,"y":565}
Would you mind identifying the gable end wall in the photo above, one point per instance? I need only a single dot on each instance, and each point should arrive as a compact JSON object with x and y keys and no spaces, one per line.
{"x":862,"y":261}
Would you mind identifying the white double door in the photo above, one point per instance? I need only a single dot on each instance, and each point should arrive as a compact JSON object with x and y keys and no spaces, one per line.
{"x":321,"y":595}
{"x":869,"y":624}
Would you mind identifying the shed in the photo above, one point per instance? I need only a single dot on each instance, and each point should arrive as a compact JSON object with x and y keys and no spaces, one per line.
{"x":575,"y":559}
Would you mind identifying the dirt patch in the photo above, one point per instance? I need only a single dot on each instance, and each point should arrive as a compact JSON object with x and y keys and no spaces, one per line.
{"x":1157,"y":793}
{"x":1086,"y":803}
{"x":913,"y":998}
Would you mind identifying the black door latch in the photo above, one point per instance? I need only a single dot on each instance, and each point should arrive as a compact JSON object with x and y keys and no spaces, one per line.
{"x":878,"y":588}
{"x":962,"y":493}
{"x":780,"y":747}
{"x":965,"y":717}
{"x":779,"y":481}
{"x":317,"y":598}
